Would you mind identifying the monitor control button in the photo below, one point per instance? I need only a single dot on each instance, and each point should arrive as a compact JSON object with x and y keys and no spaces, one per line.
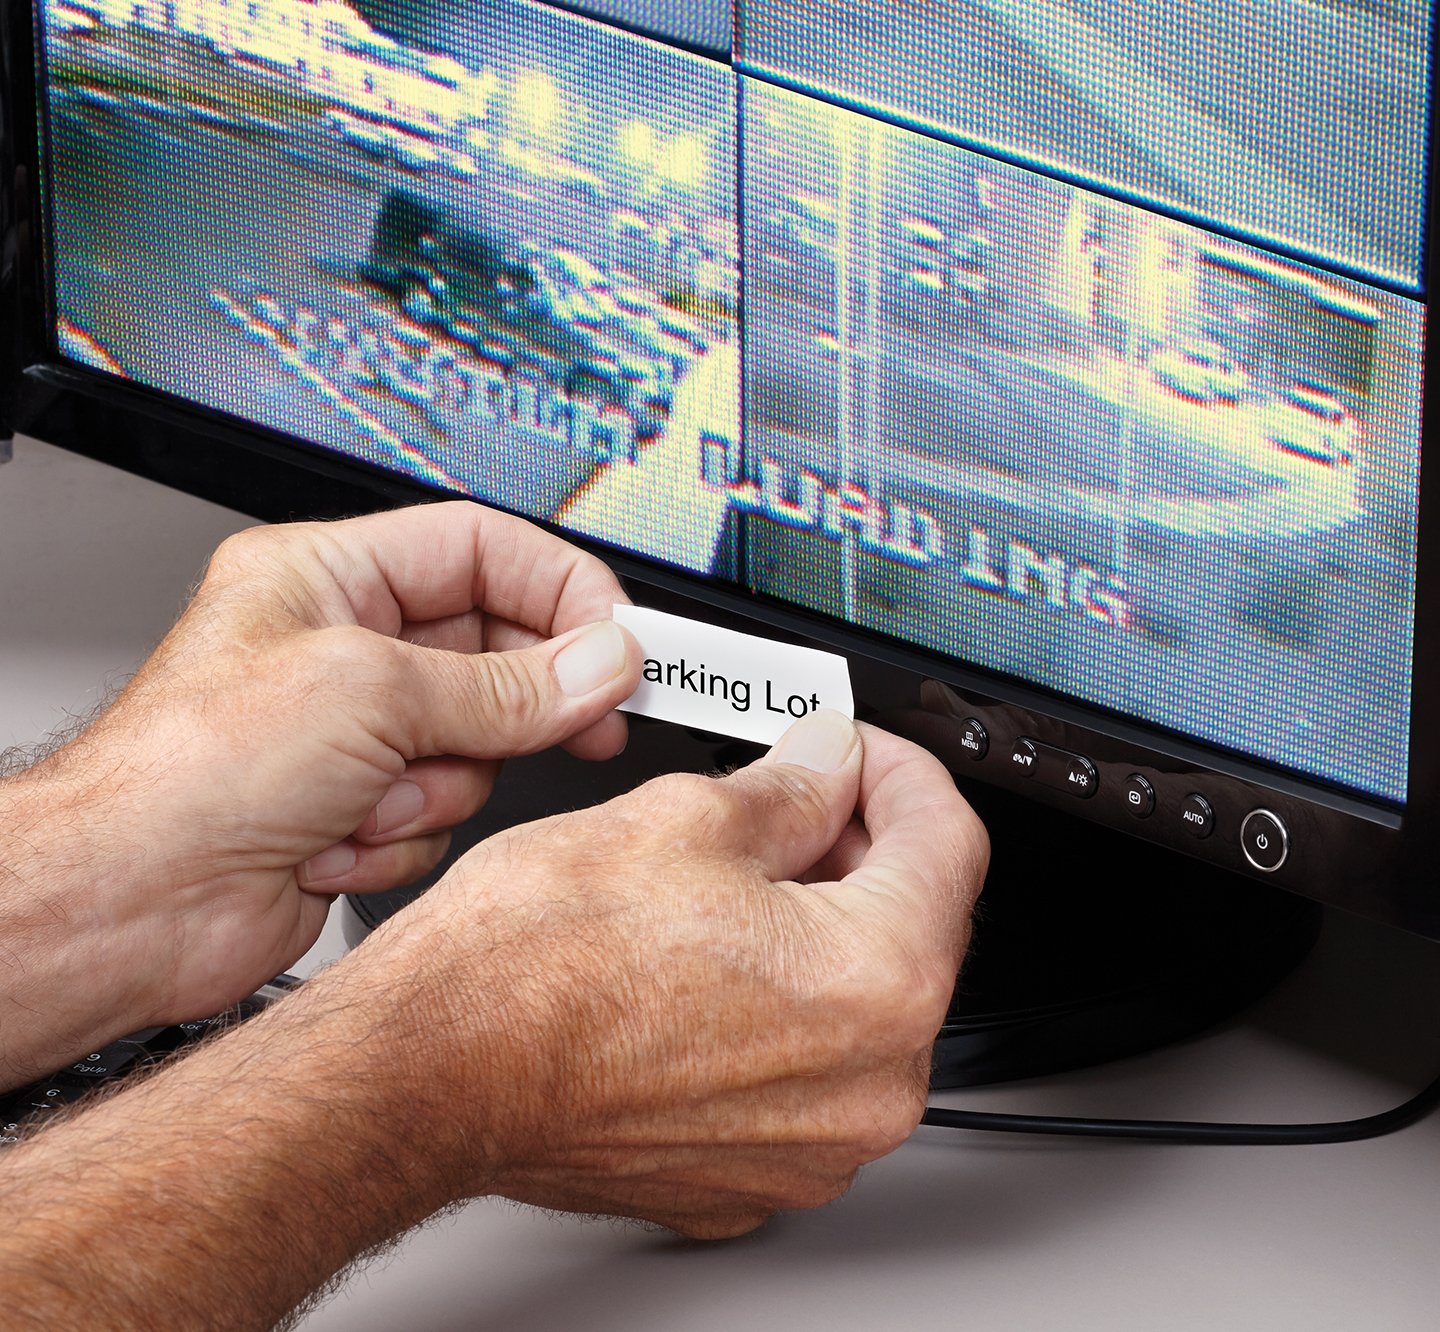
{"x":974,"y":738}
{"x":1080,"y":778}
{"x":1139,"y":796}
{"x":1264,"y":840}
{"x":1024,"y":756}
{"x":1197,"y":816}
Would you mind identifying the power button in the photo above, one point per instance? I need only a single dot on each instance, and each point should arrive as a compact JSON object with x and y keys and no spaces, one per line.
{"x":1264,"y":840}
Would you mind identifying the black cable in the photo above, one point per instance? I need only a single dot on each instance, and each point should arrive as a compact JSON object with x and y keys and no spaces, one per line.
{"x":1183,"y":1131}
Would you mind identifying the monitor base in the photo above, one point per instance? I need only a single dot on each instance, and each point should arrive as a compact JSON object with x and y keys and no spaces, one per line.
{"x":1088,"y":945}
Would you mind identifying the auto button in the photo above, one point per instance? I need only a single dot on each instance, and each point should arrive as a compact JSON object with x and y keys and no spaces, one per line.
{"x":1197,"y":816}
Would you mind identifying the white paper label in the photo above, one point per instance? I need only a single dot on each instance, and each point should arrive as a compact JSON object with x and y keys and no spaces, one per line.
{"x":731,"y":683}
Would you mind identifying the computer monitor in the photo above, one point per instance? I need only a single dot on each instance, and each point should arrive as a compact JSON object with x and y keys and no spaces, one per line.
{"x":1062,"y":363}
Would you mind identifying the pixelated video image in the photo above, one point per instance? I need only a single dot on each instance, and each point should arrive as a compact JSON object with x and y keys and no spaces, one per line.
{"x":695,"y":23}
{"x":1297,"y":121}
{"x":498,"y":258}
{"x":498,"y":247}
{"x":699,"y":24}
{"x":1081,"y":444}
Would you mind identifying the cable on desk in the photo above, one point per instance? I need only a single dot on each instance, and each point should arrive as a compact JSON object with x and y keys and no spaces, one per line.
{"x":1183,"y":1131}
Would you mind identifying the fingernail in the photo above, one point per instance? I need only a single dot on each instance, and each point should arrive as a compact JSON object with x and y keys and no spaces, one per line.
{"x":401,"y":804}
{"x":592,"y":660}
{"x":821,"y":742}
{"x":329,"y":864}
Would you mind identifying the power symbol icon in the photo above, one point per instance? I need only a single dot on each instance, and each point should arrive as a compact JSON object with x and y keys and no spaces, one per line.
{"x":1264,"y":840}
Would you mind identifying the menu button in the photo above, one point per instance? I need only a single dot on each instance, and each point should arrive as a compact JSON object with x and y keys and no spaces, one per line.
{"x":974,"y":738}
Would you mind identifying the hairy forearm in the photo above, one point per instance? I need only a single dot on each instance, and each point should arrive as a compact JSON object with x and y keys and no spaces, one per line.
{"x":63,"y":924}
{"x":224,"y":1188}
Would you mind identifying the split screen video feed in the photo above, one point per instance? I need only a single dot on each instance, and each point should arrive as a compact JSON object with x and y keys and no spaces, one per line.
{"x":1299,"y":122}
{"x":707,"y":25}
{"x":840,"y":358}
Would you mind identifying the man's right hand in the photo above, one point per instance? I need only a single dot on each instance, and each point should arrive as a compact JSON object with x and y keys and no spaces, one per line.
{"x":703,"y":1001}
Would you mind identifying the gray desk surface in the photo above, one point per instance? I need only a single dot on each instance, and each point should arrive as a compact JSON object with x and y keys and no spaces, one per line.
{"x":968,"y":1231}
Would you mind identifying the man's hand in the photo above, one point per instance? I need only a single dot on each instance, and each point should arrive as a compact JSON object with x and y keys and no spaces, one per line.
{"x":705,"y":1000}
{"x":336,"y":697}
{"x":696,"y":1004}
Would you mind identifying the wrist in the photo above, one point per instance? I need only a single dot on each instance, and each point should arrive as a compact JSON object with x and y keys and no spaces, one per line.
{"x":67,"y":925}
{"x":426,"y":1030}
{"x":289,"y":1145}
{"x":476,"y":1006}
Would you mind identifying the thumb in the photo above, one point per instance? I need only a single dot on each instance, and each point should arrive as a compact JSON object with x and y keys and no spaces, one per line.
{"x":502,"y":704}
{"x":796,"y":800}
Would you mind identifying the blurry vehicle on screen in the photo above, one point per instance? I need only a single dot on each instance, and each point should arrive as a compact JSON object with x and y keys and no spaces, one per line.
{"x":1306,"y":423}
{"x":1200,"y":373}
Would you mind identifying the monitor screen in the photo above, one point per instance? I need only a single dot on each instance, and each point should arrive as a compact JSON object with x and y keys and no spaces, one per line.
{"x":1078,"y":342}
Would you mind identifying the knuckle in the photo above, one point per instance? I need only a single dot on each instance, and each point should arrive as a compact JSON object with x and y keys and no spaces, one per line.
{"x":511,"y":692}
{"x":354,"y":649}
{"x":890,"y":1128}
{"x":916,"y":1020}
{"x":700,"y":803}
{"x":970,"y":850}
{"x":429,"y":851}
{"x":241,"y":551}
{"x":931,"y":986}
{"x":812,"y":1190}
{"x":365,"y":665}
{"x":891,"y":1000}
{"x":588,"y":575}
{"x":879,"y":1112}
{"x":723,"y":1226}
{"x":785,"y":791}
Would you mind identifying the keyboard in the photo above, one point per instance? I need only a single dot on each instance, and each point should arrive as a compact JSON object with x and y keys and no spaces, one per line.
{"x":27,"y":1107}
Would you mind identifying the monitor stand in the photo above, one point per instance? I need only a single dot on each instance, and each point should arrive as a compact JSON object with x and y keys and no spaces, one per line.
{"x":1088,"y":945}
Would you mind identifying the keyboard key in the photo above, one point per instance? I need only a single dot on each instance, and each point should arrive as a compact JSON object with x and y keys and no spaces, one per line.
{"x":109,"y":1061}
{"x":52,"y":1094}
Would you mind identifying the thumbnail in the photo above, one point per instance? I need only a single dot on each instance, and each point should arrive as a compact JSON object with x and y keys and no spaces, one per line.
{"x":1079,"y":444}
{"x":490,"y":246}
{"x":1299,"y":122}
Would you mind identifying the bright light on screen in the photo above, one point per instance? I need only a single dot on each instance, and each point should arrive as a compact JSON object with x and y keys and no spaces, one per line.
{"x":1163,"y":462}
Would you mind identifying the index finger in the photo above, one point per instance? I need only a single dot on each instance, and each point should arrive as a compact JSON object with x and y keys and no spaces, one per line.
{"x":435,"y":561}
{"x":928,"y":849}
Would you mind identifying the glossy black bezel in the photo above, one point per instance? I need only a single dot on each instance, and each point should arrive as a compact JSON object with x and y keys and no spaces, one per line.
{"x":1364,"y":855}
